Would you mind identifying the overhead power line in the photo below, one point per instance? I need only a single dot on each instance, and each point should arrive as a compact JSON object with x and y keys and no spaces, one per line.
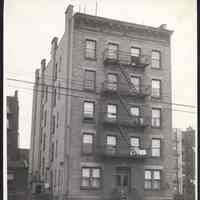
{"x":86,"y":97}
{"x":74,"y":89}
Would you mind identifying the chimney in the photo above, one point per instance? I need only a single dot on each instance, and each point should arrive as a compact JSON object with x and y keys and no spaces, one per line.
{"x":43,"y":65}
{"x":68,"y":16}
{"x":37,"y":75}
{"x":54,"y":45}
{"x":163,"y":26}
{"x":16,"y":93}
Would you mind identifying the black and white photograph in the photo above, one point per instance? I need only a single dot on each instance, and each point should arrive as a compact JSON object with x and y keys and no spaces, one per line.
{"x":100,"y":100}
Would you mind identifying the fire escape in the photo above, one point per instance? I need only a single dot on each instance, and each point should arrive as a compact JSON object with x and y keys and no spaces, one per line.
{"x":120,"y":91}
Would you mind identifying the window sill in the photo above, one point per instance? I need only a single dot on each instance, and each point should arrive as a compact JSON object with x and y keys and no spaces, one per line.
{"x":89,"y":120}
{"x":89,"y":188}
{"x":87,"y":154}
{"x":153,"y":190}
{"x":91,"y":59}
{"x":156,"y":68}
{"x":156,"y":127}
{"x":157,"y":98}
{"x":90,"y":90}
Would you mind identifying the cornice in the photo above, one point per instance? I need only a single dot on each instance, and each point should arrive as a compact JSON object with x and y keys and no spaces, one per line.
{"x":100,"y":24}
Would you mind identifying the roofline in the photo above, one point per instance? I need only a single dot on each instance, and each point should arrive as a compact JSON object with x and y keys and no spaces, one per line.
{"x":125,"y":23}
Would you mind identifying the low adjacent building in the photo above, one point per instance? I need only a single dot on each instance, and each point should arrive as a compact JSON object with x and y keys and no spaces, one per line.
{"x":17,"y":159}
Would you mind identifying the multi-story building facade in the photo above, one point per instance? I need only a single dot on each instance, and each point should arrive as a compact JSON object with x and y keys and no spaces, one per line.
{"x":17,"y":162}
{"x":99,"y":127}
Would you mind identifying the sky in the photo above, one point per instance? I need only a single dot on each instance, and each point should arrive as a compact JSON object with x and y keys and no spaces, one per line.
{"x":30,"y":25}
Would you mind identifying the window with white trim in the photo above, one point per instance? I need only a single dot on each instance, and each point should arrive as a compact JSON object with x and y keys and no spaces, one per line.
{"x":90,"y":50}
{"x":90,"y":80}
{"x":152,"y":179}
{"x":113,"y":51}
{"x":112,"y":81}
{"x":156,"y":117}
{"x":111,"y":144}
{"x":111,"y":111}
{"x":156,"y":88}
{"x":135,"y":143}
{"x":135,"y":52}
{"x":88,"y":109}
{"x":91,"y":177}
{"x":87,"y":143}
{"x":155,"y":146}
{"x":156,"y":59}
{"x":136,"y":81}
{"x":135,"y":111}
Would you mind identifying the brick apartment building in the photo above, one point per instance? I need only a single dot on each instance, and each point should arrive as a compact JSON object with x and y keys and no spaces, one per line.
{"x":17,"y":159}
{"x":99,"y":127}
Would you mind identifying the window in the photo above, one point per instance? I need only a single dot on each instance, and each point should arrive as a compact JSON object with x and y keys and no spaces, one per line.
{"x":57,"y":119}
{"x":152,"y":179}
{"x":87,"y":143}
{"x":88,"y":109}
{"x":53,"y":124}
{"x":155,"y":145}
{"x":56,"y":148}
{"x":55,"y":72}
{"x":90,"y":51}
{"x":136,"y":83}
{"x":135,"y":111}
{"x":43,"y":166}
{"x":135,"y":52}
{"x":90,"y":80}
{"x":55,"y":177}
{"x":156,"y":115}
{"x":111,"y":144}
{"x":112,"y":51}
{"x":44,"y":142}
{"x":135,"y":143}
{"x":91,"y":177}
{"x":156,"y":88}
{"x":59,"y":90}
{"x":54,"y":97}
{"x":112,"y":82}
{"x":60,"y":63}
{"x":45,"y":117}
{"x":111,"y":111}
{"x":52,"y":151}
{"x":46,"y":93}
{"x":156,"y":59}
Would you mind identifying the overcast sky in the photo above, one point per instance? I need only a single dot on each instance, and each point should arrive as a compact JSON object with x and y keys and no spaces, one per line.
{"x":30,"y":25}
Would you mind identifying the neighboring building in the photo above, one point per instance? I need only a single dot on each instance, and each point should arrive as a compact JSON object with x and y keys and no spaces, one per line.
{"x":177,"y":147}
{"x":188,"y":157}
{"x":99,"y":127}
{"x":12,"y":127}
{"x":184,"y":154}
{"x":17,"y":159}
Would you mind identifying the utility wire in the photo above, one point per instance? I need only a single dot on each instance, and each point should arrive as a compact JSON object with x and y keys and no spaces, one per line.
{"x":61,"y":87}
{"x":86,"y":97}
{"x":78,"y":79}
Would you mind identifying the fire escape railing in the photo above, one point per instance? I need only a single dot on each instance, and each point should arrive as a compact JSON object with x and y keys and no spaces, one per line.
{"x":125,"y":58}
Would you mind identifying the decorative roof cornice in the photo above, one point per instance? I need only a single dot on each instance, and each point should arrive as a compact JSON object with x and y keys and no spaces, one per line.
{"x":105,"y":24}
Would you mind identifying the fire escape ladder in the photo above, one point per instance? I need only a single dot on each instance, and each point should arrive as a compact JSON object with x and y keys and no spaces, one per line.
{"x":124,"y":136}
{"x":130,"y":84}
{"x":123,"y":103}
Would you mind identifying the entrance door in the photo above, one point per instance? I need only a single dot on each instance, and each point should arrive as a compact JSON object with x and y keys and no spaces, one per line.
{"x":123,"y":181}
